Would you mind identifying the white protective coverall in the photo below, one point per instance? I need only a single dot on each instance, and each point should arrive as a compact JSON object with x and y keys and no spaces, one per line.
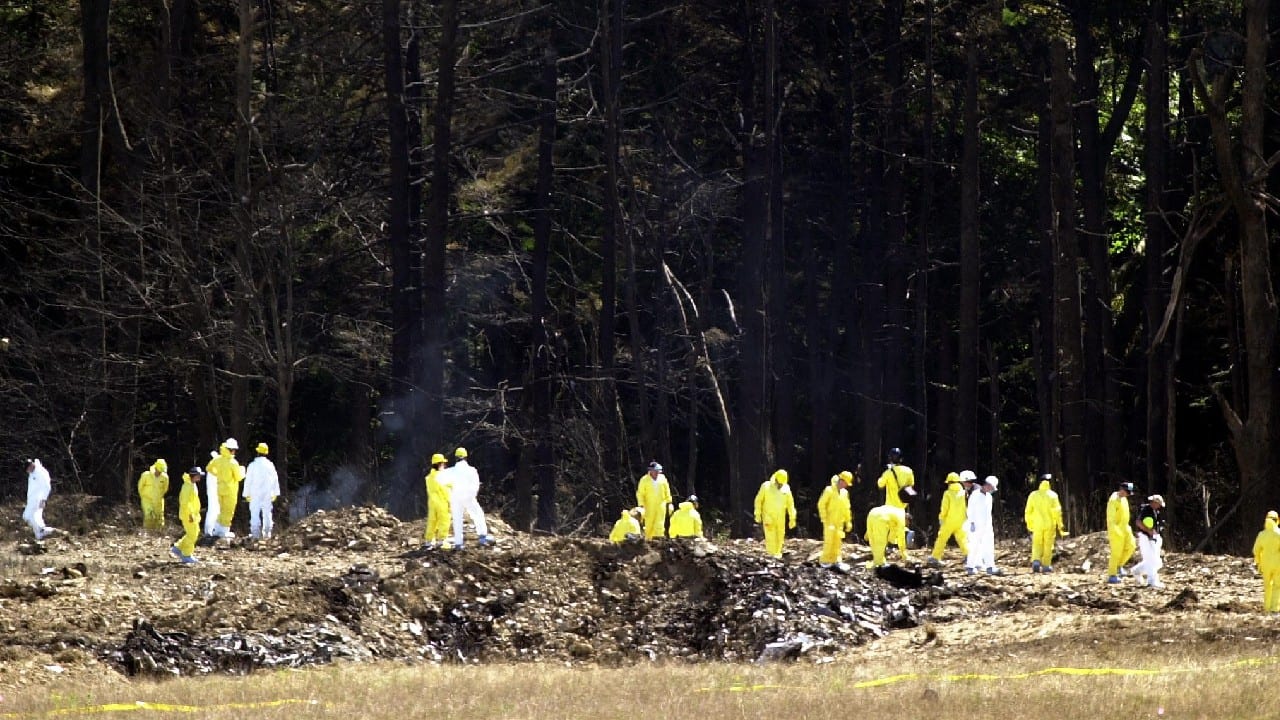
{"x":462,"y":501}
{"x":212,"y":508}
{"x":261,"y":487}
{"x":982,"y":535}
{"x":38,"y":488}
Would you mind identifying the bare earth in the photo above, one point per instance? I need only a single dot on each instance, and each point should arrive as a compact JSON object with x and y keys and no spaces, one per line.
{"x":106,"y":600}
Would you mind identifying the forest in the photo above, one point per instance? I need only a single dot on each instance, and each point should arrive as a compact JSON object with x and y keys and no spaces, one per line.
{"x":1017,"y":237}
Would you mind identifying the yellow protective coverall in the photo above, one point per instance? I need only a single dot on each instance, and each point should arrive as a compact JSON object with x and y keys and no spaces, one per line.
{"x":626,"y":525}
{"x":152,"y":486}
{"x":775,"y":511}
{"x":951,"y":518}
{"x":837,"y":519}
{"x":685,"y":521}
{"x":1119,"y":533}
{"x":884,"y":524}
{"x":189,"y":515}
{"x":654,"y":495}
{"x":893,"y":479}
{"x":439,"y":517}
{"x":1043,"y":516}
{"x":230,"y":473}
{"x":1266,"y":553}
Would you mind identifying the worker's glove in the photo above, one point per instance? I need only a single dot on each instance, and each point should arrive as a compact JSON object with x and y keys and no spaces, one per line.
{"x":1062,"y":532}
{"x":42,"y":502}
{"x":973,"y":527}
{"x":248,"y":499}
{"x":848,"y":527}
{"x":792,"y":526}
{"x":273,"y":498}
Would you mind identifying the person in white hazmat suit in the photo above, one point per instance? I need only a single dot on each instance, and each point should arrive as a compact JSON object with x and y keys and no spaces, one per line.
{"x":982,"y":534}
{"x":261,"y":488}
{"x":39,"y":485}
{"x":462,"y":500}
{"x":211,"y":500}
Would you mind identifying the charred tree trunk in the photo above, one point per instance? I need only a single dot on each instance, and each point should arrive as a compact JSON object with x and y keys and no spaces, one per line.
{"x":1159,"y":369}
{"x":543,"y":460}
{"x":241,"y":364}
{"x":610,"y":79}
{"x":970,"y":273}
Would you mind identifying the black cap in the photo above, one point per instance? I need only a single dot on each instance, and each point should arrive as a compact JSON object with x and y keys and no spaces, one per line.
{"x":1126,"y":486}
{"x":693,"y":499}
{"x":195,"y":470}
{"x":895,"y":453}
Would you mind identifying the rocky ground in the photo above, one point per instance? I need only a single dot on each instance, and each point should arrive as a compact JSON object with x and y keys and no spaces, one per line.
{"x":105,"y":599}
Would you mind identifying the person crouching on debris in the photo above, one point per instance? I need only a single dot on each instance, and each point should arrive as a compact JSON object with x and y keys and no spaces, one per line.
{"x":775,"y":511}
{"x":1266,"y":553}
{"x":39,"y":486}
{"x":952,"y":515}
{"x":463,"y":502}
{"x":982,"y":533}
{"x":627,"y":527}
{"x":886,"y":524}
{"x":836,"y":517}
{"x":653,"y":493}
{"x":1043,"y":517}
{"x":438,"y":513}
{"x":685,"y":521}
{"x":153,"y":484}
{"x":189,"y":516}
{"x":1150,"y":526}
{"x":1119,"y":533}
{"x":261,"y":488}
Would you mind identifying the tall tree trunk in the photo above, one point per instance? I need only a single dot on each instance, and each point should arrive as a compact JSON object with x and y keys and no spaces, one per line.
{"x":241,"y":364}
{"x":1066,"y":277}
{"x":897,"y":320}
{"x":970,"y":273}
{"x":610,"y":80}
{"x":780,"y":359}
{"x":436,"y":230}
{"x":1159,"y":370}
{"x":543,"y":461}
{"x":1042,"y":339}
{"x":920,"y":291}
{"x":1244,"y":168}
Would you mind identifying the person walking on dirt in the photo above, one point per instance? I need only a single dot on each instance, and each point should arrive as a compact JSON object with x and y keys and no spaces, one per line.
{"x":982,"y":533}
{"x":686,"y":522}
{"x":653,"y":493}
{"x":775,"y":511}
{"x":1266,"y":554}
{"x":39,"y":486}
{"x":463,"y":502}
{"x":897,"y":480}
{"x":189,"y":516}
{"x":1043,"y":516}
{"x":1119,"y":533}
{"x":153,"y":483}
{"x":952,"y":516}
{"x":627,"y":527}
{"x":261,"y":488}
{"x":886,"y":524}
{"x":1150,"y":525}
{"x":439,"y":516}
{"x":836,"y":516}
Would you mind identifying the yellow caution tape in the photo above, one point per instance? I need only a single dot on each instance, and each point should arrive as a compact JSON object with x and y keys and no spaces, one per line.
{"x":894,"y":679}
{"x":155,"y":707}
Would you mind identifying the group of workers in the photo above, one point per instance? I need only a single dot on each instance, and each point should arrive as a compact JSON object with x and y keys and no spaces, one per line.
{"x":451,"y":498}
{"x":226,"y":480}
{"x":654,"y":507}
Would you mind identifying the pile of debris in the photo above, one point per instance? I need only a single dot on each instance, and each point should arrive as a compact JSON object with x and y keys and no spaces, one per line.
{"x":357,"y":529}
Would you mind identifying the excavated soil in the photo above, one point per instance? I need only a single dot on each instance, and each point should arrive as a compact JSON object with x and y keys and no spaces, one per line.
{"x":104,"y":598}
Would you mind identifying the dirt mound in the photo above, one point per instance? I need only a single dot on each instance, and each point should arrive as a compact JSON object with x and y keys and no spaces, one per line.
{"x":357,"y":584}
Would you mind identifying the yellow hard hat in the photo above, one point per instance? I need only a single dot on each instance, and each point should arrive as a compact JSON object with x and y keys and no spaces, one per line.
{"x":952,"y":478}
{"x":780,"y":476}
{"x":846,"y":476}
{"x":161,"y":465}
{"x":437,"y":459}
{"x":460,"y":453}
{"x":263,"y":449}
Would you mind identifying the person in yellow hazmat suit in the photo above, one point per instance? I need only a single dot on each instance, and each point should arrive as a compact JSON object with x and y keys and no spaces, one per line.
{"x":952,"y":515}
{"x":627,"y":527}
{"x":1119,"y":533}
{"x":439,"y":514}
{"x":685,"y":521}
{"x":1266,"y":554}
{"x":775,"y":511}
{"x":189,"y":516}
{"x":836,"y":517}
{"x":1043,"y":516}
{"x":152,"y":486}
{"x":897,"y":480}
{"x":229,"y":474}
{"x":653,"y":493}
{"x":886,"y":524}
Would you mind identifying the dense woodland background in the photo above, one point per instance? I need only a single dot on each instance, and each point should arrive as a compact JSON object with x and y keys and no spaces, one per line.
{"x":575,"y":236}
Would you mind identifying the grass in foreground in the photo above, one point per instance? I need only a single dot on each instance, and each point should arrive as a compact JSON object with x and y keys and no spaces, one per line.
{"x":1171,"y":683}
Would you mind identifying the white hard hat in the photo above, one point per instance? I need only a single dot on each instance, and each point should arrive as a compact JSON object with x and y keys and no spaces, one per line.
{"x":232,"y":444}
{"x":992,"y":480}
{"x":968,"y":476}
